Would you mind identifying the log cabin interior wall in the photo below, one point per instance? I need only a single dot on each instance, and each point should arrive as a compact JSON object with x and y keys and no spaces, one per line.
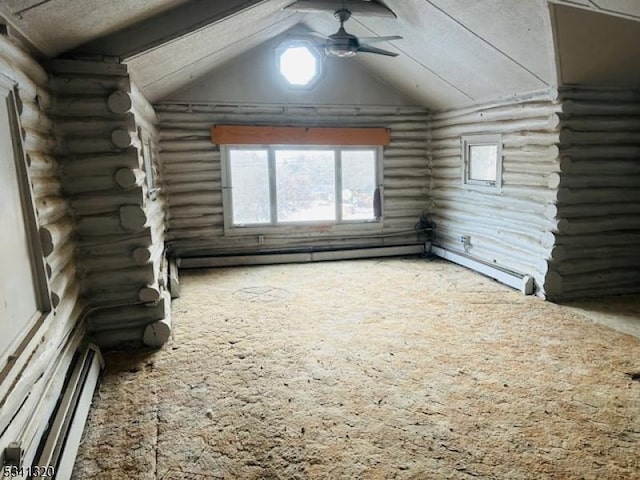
{"x":107,"y":151}
{"x":105,"y":168}
{"x":345,"y":95}
{"x":598,"y":206}
{"x":33,"y":375}
{"x":510,"y":227}
{"x":192,"y":172}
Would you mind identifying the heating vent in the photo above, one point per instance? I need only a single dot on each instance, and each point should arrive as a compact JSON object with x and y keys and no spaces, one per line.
{"x":516,"y":280}
{"x":299,"y":257}
{"x":60,"y":442}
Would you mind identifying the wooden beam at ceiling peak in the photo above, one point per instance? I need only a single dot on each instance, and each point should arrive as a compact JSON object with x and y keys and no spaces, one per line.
{"x":165,"y":27}
{"x":357,"y":7}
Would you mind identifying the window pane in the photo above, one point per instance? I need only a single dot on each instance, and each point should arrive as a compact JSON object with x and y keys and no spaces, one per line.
{"x":250,"y":186}
{"x":483,"y":162}
{"x":305,"y":185}
{"x":298,"y":65}
{"x":358,"y":184}
{"x":18,"y":294}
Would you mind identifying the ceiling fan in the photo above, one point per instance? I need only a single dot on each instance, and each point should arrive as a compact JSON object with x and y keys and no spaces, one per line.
{"x":343,"y":44}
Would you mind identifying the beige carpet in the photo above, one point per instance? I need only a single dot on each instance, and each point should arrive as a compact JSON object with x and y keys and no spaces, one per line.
{"x":375,"y":369}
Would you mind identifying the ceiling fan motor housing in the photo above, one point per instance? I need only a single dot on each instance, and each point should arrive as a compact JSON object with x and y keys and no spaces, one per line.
{"x":342,"y":15}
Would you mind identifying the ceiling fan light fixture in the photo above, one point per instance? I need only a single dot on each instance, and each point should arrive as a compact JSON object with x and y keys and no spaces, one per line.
{"x":342,"y":51}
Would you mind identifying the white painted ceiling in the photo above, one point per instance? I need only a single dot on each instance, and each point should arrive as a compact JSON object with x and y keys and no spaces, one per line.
{"x":454,"y":52}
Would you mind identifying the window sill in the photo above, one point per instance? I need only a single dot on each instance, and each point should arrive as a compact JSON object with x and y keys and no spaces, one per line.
{"x":483,"y":187}
{"x":306,"y":229}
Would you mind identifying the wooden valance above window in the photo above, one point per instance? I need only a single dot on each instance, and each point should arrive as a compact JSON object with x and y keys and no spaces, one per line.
{"x":260,"y":135}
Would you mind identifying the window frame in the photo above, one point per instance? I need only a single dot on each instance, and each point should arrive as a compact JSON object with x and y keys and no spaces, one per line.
{"x":148,"y":164}
{"x":43,"y":304}
{"x":469,"y":141}
{"x":313,"y":226}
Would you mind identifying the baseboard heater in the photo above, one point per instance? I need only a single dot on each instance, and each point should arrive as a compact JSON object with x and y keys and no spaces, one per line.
{"x":299,"y":257}
{"x":60,"y":443}
{"x":519,"y":281}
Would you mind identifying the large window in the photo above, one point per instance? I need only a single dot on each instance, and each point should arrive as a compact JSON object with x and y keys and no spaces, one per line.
{"x":297,"y":185}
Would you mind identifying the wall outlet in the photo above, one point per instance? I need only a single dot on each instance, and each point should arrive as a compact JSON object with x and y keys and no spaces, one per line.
{"x":465,"y":240}
{"x":261,"y":239}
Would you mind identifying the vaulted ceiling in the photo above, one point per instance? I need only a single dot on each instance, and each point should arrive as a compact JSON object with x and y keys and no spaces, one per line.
{"x":454,"y":52}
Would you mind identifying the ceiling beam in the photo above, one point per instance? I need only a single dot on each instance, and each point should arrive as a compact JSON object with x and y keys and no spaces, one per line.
{"x":357,"y":7}
{"x":164,"y":28}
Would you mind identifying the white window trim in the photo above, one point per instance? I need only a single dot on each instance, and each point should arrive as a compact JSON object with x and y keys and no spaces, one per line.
{"x":469,"y":141}
{"x":148,"y":164}
{"x":303,"y":229}
{"x":43,"y":304}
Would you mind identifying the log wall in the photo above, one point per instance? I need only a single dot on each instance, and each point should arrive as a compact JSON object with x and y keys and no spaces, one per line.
{"x":511,"y":227}
{"x":192,"y":173}
{"x":598,"y":207}
{"x":31,"y":382}
{"x":103,"y":123}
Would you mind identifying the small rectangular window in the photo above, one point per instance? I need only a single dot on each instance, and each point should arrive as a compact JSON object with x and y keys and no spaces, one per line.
{"x":482,"y":157}
{"x":295,"y":185}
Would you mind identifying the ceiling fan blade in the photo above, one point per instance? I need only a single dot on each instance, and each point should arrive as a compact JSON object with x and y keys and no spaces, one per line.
{"x":306,"y":38}
{"x":378,"y":51}
{"x":318,"y":35}
{"x":370,"y":40}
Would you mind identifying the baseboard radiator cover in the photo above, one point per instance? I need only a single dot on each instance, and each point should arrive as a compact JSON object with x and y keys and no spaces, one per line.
{"x":522,"y":282}
{"x":60,"y":442}
{"x":299,"y":257}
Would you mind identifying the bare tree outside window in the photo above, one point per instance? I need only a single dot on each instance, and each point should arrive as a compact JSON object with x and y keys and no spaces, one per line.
{"x":284,"y":185}
{"x":250,"y":191}
{"x":306,"y":184}
{"x":358,"y":184}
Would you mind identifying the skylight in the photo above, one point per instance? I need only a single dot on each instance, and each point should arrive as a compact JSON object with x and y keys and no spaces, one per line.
{"x":299,"y":65}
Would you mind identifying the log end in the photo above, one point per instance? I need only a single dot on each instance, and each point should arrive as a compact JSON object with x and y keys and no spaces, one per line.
{"x":548,"y":239}
{"x":132,"y":218}
{"x":148,"y":295}
{"x":554,"y":180}
{"x":125,"y":178}
{"x":119,"y":102}
{"x":141,"y":255}
{"x":55,"y":300}
{"x":157,"y":333}
{"x":551,"y":211}
{"x":121,"y":138}
{"x":46,"y":241}
{"x":553,"y":284}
